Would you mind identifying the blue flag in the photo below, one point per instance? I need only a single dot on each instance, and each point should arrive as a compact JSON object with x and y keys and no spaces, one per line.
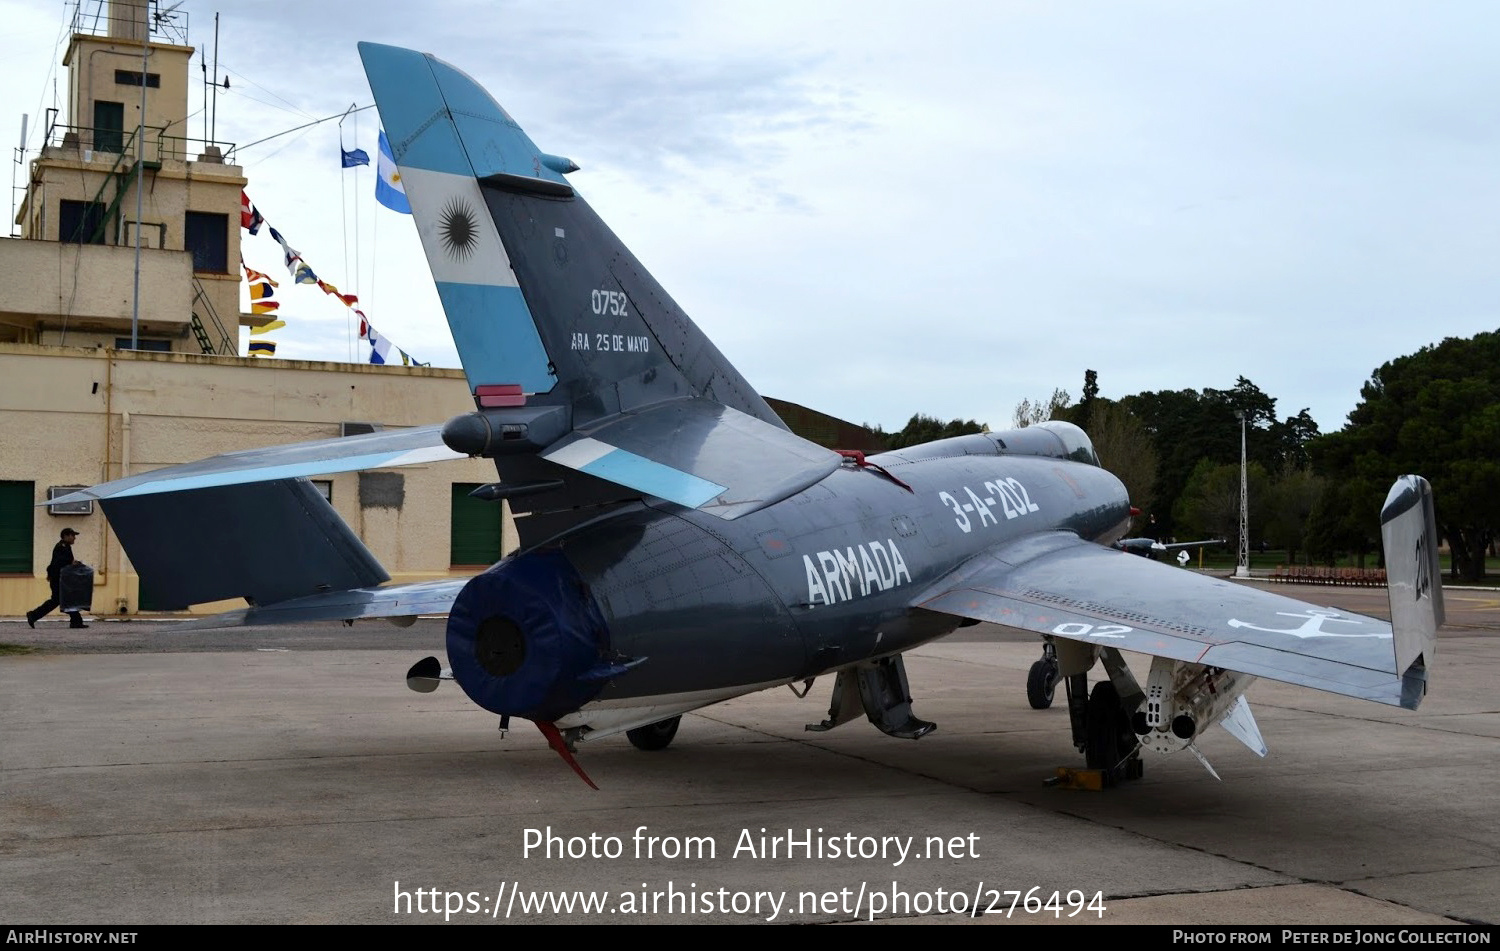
{"x":355,"y":157}
{"x":388,"y":188}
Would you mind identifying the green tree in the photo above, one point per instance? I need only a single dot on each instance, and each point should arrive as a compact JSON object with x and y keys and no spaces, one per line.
{"x":1083,"y":414}
{"x":1435,"y":412}
{"x":1210,"y":503}
{"x":1294,"y":495}
{"x":1343,"y":520}
{"x":921,"y":428}
{"x":1029,"y":414}
{"x":1290,"y":439}
{"x":1124,"y":448}
{"x":1188,"y":426}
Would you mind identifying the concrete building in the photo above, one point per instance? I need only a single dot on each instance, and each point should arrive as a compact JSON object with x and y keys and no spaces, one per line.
{"x":116,"y":171}
{"x":78,"y":405}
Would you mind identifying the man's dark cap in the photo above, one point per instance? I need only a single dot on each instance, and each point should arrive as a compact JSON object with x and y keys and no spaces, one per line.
{"x":65,"y":532}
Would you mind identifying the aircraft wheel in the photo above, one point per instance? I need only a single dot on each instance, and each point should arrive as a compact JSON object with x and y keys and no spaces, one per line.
{"x":655,"y":736}
{"x":1041,"y":682}
{"x":1105,"y":728}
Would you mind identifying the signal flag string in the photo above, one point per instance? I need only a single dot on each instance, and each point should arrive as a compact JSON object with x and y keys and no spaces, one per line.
{"x":251,"y":220}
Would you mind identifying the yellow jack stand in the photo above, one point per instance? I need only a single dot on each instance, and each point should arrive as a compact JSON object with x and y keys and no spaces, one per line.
{"x":1070,"y":778}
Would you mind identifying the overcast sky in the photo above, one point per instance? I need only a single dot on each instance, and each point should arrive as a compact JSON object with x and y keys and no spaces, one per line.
{"x":880,"y":208}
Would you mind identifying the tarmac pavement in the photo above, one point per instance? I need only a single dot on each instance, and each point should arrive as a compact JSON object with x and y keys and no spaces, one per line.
{"x":288,"y":775}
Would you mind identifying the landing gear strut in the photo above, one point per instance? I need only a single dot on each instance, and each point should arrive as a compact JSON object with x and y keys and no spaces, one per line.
{"x":1041,"y":681}
{"x":654,"y":736}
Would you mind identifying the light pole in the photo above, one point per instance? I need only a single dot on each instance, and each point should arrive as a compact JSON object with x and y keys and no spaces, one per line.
{"x":1242,"y":568}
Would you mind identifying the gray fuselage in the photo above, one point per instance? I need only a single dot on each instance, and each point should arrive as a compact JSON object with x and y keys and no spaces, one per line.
{"x":827,"y":577}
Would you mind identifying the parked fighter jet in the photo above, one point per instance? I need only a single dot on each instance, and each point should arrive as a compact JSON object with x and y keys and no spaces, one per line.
{"x":679,"y":546}
{"x":1153,"y":549}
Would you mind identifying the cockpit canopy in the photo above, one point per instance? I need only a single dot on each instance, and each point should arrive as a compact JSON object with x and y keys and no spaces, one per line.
{"x":1075,"y":441}
{"x":1053,"y":438}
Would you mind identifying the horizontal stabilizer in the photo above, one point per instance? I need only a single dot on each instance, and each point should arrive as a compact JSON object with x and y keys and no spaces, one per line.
{"x":388,"y":601}
{"x":378,"y":450}
{"x":699,"y":454}
{"x":265,"y":542}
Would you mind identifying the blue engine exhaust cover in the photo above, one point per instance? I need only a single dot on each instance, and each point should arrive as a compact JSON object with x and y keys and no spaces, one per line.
{"x":525,"y":638}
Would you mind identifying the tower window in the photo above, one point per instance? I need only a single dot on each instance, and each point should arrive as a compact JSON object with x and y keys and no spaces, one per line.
{"x":124,"y":77}
{"x":78,"y":222}
{"x":207,"y":236}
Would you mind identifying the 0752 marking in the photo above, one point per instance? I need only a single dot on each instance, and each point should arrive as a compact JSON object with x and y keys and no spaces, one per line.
{"x":612,"y":303}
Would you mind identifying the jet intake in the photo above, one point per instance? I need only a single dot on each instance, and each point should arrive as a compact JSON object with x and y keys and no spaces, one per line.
{"x":526,"y":639}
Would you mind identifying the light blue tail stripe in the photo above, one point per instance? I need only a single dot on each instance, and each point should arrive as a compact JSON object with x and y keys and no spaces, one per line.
{"x":664,"y":482}
{"x":415,"y":89}
{"x":495,"y":335}
{"x":492,"y":139}
{"x":409,"y":100}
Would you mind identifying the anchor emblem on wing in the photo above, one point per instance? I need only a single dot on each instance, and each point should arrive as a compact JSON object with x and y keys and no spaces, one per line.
{"x":1312,"y":624}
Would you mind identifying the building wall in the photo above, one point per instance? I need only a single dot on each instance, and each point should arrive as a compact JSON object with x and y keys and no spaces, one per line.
{"x":60,"y":284}
{"x":92,"y":62}
{"x":170,"y":193}
{"x":74,"y":416}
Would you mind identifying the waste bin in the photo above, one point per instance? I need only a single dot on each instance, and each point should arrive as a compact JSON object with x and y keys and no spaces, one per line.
{"x":75,"y":587}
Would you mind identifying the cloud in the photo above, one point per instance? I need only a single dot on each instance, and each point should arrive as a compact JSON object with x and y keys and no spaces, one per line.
{"x":877,"y":208}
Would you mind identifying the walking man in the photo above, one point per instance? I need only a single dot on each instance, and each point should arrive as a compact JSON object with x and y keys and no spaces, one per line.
{"x":62,"y":556}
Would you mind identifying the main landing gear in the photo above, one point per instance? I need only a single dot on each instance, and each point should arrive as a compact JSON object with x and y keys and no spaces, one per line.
{"x":654,"y":736}
{"x":1100,"y":719}
{"x":1109,"y":742}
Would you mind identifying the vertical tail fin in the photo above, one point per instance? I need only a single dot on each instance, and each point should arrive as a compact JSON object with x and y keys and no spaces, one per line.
{"x":1408,"y":528}
{"x":544,"y":301}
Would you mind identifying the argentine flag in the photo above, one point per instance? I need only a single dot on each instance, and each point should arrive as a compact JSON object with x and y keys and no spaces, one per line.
{"x":388,"y":188}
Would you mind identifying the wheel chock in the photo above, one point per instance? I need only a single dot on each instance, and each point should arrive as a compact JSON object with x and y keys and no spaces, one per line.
{"x":1070,"y":778}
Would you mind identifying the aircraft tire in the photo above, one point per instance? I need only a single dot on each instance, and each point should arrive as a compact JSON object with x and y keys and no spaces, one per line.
{"x":654,"y":736}
{"x":1102,"y":730}
{"x":1041,"y":683}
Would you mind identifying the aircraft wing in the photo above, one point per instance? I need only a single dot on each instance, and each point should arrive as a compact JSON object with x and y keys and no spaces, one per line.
{"x":1061,"y":585}
{"x":401,"y":447}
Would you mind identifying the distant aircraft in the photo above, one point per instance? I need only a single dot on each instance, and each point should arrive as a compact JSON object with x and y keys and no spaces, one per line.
{"x":679,"y":546}
{"x":1151,"y":548}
